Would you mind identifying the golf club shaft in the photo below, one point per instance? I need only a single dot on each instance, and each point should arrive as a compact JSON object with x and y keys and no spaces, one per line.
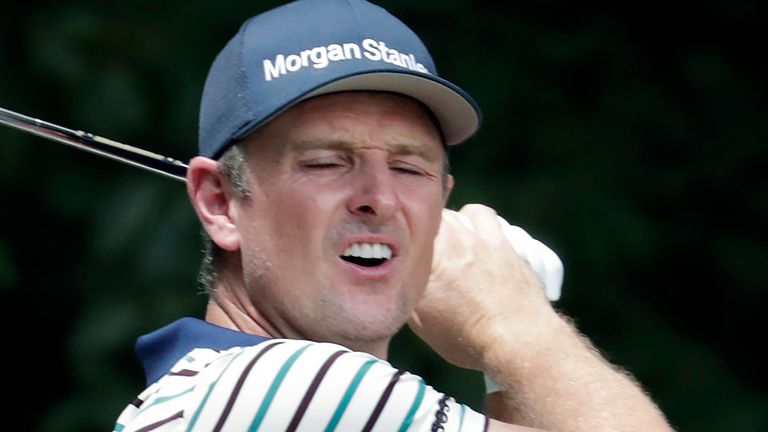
{"x":96,"y":144}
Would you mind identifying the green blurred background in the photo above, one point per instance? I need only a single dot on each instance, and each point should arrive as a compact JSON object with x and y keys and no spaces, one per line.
{"x":629,"y":137}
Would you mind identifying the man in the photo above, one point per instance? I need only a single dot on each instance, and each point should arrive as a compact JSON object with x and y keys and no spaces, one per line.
{"x":320,"y":184}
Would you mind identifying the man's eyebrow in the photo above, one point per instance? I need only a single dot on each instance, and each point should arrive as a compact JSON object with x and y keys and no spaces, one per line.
{"x":414,"y":149}
{"x":323,"y":143}
{"x":398,"y":148}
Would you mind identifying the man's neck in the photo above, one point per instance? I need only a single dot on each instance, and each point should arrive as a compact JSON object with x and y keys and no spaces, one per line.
{"x":228,"y":315}
{"x":231,"y":307}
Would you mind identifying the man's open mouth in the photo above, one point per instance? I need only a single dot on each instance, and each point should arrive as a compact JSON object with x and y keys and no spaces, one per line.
{"x":367,"y":254}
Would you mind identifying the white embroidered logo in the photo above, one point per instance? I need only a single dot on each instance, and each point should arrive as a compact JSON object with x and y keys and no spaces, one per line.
{"x":322,"y":56}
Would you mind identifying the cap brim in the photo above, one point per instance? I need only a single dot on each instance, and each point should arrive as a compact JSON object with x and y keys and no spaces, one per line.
{"x":458,"y":114}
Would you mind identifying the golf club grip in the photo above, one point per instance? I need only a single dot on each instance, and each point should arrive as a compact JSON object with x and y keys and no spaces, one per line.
{"x":95,"y":144}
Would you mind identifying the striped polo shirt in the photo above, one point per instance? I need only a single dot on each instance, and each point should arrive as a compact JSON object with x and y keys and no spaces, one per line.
{"x":202,"y":377}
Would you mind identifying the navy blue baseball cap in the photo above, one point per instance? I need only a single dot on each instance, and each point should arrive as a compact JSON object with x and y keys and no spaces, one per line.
{"x":312,"y":47}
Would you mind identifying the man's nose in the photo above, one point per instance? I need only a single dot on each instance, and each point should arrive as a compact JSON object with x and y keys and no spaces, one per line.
{"x":375,"y":195}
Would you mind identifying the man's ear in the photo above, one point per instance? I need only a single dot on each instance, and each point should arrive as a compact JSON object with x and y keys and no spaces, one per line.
{"x":447,"y":188}
{"x":211,"y":199}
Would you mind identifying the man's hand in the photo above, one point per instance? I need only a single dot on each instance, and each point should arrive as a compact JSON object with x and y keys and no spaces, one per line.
{"x":479,"y":287}
{"x":485,"y":309}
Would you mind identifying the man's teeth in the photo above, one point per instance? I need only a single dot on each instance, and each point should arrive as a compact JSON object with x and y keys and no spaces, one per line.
{"x":369,"y":250}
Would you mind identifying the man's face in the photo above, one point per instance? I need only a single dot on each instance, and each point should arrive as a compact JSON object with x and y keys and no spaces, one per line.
{"x":336,"y":237}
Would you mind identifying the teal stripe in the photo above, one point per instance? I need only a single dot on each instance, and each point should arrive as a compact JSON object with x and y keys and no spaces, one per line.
{"x":414,"y":407}
{"x":274,"y":388}
{"x":461,"y":419}
{"x":194,"y":418}
{"x":351,"y":389}
{"x":119,"y":427}
{"x":166,"y":398}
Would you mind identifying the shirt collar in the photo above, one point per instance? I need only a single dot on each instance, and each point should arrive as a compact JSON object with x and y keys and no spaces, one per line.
{"x":160,"y":350}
